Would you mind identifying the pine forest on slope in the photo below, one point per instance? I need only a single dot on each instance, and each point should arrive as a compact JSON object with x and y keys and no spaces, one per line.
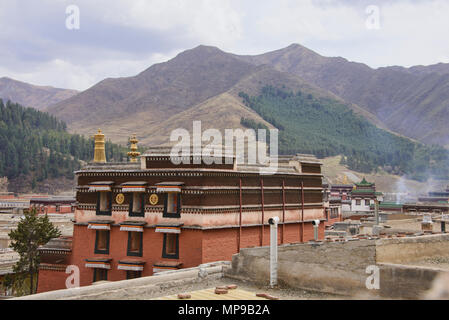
{"x":35,"y":145}
{"x":326,"y":127}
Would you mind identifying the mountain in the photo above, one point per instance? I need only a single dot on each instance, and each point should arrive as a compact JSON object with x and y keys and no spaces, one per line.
{"x":38,"y":97}
{"x":410,"y":101}
{"x":199,"y":84}
{"x":222,"y":90}
{"x":327,"y":127}
{"x":122,"y":106}
{"x":36,"y":151}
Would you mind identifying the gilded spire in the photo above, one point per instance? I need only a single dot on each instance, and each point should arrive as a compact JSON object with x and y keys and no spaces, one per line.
{"x":133,"y":154}
{"x":100,"y":154}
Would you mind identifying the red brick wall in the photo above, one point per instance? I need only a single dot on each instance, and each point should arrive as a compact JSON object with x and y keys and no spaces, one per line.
{"x":221,"y":244}
{"x":195,"y":247}
{"x":190,"y":247}
{"x":51,"y":280}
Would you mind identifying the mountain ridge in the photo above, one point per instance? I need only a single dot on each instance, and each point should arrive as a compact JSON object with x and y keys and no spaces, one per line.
{"x":38,"y":97}
{"x":382,"y":91}
{"x":169,"y":88}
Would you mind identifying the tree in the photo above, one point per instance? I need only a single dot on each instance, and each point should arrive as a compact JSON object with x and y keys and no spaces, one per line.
{"x":32,"y":231}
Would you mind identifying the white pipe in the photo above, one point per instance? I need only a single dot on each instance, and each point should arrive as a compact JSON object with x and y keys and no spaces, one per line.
{"x":273,"y":250}
{"x":316,"y":224}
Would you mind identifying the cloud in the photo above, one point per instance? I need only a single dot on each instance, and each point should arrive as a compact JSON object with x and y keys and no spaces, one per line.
{"x":122,"y":38}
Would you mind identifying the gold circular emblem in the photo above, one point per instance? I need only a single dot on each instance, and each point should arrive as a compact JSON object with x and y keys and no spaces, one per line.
{"x":120,"y":198}
{"x":154,"y":199}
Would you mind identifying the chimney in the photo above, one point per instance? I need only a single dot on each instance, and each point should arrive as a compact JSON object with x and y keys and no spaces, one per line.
{"x":100,"y":154}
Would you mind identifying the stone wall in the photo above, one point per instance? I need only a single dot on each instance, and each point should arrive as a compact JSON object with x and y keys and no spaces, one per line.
{"x":136,"y":287}
{"x":337,"y":268}
{"x":340,"y":267}
{"x":409,"y":249}
{"x":405,"y":281}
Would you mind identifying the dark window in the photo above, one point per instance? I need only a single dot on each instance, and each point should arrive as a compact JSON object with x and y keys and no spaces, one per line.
{"x":104,"y":203}
{"x":334,"y":213}
{"x":172,"y":205}
{"x":137,"y":205}
{"x":102,"y":242}
{"x":133,"y":274}
{"x":171,"y":246}
{"x":135,"y":244}
{"x":100,"y":274}
{"x":367,"y":202}
{"x":358,"y":202}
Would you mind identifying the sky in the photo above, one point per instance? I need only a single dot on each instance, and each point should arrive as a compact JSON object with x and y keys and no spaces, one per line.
{"x":75,"y":44}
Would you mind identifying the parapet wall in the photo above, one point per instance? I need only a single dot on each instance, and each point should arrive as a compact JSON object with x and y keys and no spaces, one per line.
{"x":409,"y":249}
{"x":337,"y":268}
{"x":341,"y":267}
{"x":135,"y":288}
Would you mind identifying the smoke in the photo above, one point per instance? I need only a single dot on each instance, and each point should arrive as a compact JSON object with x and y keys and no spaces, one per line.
{"x":408,"y":190}
{"x":402,"y":190}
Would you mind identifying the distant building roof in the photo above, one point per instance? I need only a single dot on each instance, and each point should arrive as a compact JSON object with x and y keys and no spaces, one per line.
{"x":367,"y":191}
{"x":364,"y":183}
{"x":389,"y":205}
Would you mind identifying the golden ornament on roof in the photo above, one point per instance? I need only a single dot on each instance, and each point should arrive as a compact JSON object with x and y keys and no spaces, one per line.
{"x":133,"y":154}
{"x":99,"y":153}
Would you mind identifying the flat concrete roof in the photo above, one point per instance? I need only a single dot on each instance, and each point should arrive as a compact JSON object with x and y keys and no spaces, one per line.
{"x":209,"y":294}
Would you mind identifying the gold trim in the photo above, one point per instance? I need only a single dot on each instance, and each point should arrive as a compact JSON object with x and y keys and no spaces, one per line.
{"x":120,"y":198}
{"x":154,"y":199}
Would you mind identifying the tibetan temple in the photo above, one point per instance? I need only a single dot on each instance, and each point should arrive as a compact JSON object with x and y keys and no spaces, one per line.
{"x":138,"y":218}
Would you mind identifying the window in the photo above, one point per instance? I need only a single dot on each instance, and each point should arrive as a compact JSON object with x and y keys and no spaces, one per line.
{"x":102,"y":242}
{"x":334,"y":213}
{"x":104,"y":203}
{"x":137,"y":205}
{"x":367,"y":202}
{"x":358,"y":202}
{"x":100,"y":274}
{"x":135,"y":244}
{"x":172,"y":207}
{"x":133,"y":274}
{"x":171,"y":246}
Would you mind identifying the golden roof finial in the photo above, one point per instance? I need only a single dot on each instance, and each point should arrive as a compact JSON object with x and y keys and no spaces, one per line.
{"x":133,"y":154}
{"x":99,"y":154}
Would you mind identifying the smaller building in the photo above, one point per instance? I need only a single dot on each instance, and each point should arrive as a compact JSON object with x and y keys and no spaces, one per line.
{"x":341,"y":193}
{"x":364,"y":195}
{"x":53,"y":205}
{"x":436,"y":196}
{"x":391,"y":207}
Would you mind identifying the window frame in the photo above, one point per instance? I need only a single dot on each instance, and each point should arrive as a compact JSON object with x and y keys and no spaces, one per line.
{"x":138,"y":272}
{"x":109,"y":199}
{"x":108,"y":240}
{"x":358,"y":202}
{"x":95,"y":274}
{"x":131,"y":212}
{"x":132,"y":253}
{"x":178,"y":207}
{"x":164,"y":247}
